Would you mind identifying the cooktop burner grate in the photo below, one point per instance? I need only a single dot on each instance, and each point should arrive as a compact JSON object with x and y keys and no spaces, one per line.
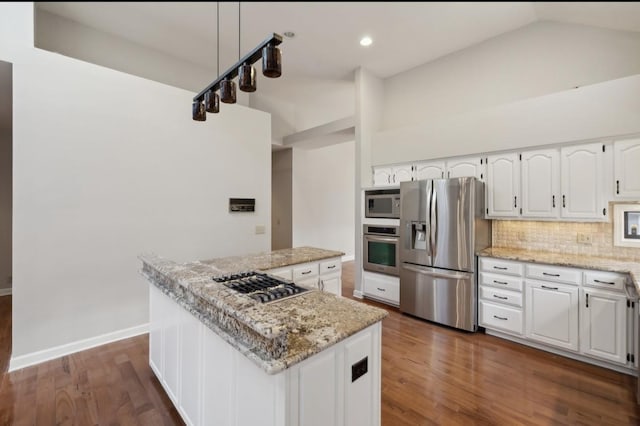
{"x":260,"y":286}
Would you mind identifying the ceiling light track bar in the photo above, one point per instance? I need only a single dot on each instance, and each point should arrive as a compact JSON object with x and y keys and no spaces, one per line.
{"x":250,"y":58}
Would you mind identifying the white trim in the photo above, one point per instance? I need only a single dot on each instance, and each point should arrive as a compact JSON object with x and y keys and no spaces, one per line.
{"x":348,"y":258}
{"x":5,"y":291}
{"x":358,"y":294}
{"x":33,"y":358}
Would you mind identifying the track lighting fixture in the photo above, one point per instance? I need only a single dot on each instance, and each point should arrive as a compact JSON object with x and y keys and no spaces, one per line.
{"x":208,"y":99}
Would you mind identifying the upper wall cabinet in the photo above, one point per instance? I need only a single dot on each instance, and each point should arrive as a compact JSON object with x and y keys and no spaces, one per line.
{"x":430,"y":170}
{"x":402,"y":173}
{"x":540,"y":183}
{"x":382,"y":176}
{"x":465,"y":167}
{"x":503,"y":182}
{"x":582,"y":173}
{"x":385,"y":176}
{"x":626,"y":154}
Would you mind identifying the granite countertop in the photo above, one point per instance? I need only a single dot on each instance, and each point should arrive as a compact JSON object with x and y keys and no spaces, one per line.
{"x":601,"y":263}
{"x":274,"y":335}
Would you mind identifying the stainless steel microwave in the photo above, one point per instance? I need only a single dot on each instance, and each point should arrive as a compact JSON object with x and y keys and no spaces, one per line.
{"x":384,"y":203}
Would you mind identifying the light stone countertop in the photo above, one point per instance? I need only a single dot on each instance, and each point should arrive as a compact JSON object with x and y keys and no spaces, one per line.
{"x":276,"y":335}
{"x":625,"y":266}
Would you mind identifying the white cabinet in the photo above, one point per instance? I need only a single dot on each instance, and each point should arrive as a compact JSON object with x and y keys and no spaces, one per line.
{"x":392,"y":175}
{"x":325,"y":275}
{"x":500,"y":295}
{"x":382,"y":176}
{"x":466,"y":167}
{"x":626,"y":154}
{"x":582,"y":172}
{"x":540,"y":183}
{"x":430,"y":170}
{"x":402,"y":174}
{"x":503,"y":185}
{"x":603,"y":319}
{"x":552,"y":314}
{"x":381,"y":287}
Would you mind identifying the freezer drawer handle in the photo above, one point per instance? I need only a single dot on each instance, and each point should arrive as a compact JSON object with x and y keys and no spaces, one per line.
{"x":604,"y":282}
{"x":500,"y":318}
{"x":500,"y":267}
{"x":550,"y":275}
{"x":500,"y":297}
{"x":451,"y":275}
{"x":549,"y":288}
{"x":501,"y":282}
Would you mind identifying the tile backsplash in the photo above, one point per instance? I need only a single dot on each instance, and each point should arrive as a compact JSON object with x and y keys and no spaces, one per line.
{"x":560,"y":237}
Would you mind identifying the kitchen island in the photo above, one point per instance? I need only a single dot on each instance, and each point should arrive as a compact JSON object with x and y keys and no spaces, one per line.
{"x":224,"y":358}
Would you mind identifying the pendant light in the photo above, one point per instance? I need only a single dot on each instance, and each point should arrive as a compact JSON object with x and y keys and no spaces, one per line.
{"x":208,"y":99}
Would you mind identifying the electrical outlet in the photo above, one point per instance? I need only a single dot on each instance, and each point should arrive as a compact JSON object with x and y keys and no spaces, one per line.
{"x":584,"y":238}
{"x":521,"y":236}
{"x":260,"y":229}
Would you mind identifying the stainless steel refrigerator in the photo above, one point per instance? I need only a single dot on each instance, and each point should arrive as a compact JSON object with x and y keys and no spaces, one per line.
{"x":442,"y":226}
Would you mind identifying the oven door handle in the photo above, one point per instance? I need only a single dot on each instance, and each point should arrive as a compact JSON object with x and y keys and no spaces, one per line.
{"x":438,"y":273}
{"x":381,"y":239}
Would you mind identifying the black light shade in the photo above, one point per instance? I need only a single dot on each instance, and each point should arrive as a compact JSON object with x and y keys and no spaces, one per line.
{"x":198,"y":112}
{"x":228,"y":91}
{"x":212,"y":102}
{"x":247,"y":78}
{"x":271,"y":61}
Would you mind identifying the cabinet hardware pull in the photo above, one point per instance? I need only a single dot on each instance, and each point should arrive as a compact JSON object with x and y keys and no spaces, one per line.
{"x":515,"y":201}
{"x":617,"y":187}
{"x":305,"y":273}
{"x":553,"y":199}
{"x":500,"y":267}
{"x":500,"y":318}
{"x":321,"y":285}
{"x":448,"y":174}
{"x":604,"y":282}
{"x":500,"y":297}
{"x":549,"y":288}
{"x":550,"y":275}
{"x":331,"y":267}
{"x":381,"y":289}
{"x":587,"y":300}
{"x":389,"y":179}
{"x":500,"y":282}
{"x":564,"y":204}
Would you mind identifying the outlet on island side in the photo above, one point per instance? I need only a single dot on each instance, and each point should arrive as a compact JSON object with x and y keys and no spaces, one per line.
{"x":584,"y":238}
{"x":260,"y":229}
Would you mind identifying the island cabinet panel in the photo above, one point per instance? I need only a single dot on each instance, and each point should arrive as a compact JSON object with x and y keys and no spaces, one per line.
{"x":210,"y":382}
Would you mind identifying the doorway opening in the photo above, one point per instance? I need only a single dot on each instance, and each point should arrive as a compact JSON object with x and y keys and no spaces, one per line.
{"x":6,"y":208}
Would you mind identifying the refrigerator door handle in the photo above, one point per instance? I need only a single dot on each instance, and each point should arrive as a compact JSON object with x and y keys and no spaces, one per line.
{"x":438,"y":273}
{"x":433,"y":225}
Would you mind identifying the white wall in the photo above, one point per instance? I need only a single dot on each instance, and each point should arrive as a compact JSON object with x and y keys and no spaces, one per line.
{"x":323,"y":202}
{"x":108,"y":166}
{"x":539,"y":59}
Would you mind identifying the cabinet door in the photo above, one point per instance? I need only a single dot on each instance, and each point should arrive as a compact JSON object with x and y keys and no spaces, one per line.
{"x":285,"y":273}
{"x":311,"y":281}
{"x":540,"y":183}
{"x":603,"y":322}
{"x":402,"y":174}
{"x":552,"y":314}
{"x":430,"y":170}
{"x":626,"y":170}
{"x":466,"y":167}
{"x":331,"y":283}
{"x":157,"y":313}
{"x":582,"y":173}
{"x":382,"y":176}
{"x":503,"y":185}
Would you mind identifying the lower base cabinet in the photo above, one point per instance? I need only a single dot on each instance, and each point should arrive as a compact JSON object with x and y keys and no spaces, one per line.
{"x":603,"y":319}
{"x":210,"y":382}
{"x":552,"y":314}
{"x":381,"y":287}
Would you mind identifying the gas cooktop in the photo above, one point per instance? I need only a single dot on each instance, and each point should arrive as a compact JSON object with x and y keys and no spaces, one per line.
{"x":260,"y":286}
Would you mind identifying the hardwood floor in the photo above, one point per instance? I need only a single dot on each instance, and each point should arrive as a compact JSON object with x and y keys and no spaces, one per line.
{"x":430,"y":375}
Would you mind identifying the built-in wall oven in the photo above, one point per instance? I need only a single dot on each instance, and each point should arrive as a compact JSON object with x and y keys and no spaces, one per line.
{"x":381,"y":249}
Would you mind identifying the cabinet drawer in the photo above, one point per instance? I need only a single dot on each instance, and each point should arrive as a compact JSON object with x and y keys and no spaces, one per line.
{"x":608,"y":280}
{"x":500,"y":266}
{"x":305,"y":271}
{"x":554,"y":273}
{"x":501,"y":317}
{"x":497,"y":295}
{"x":331,"y":266}
{"x":382,"y":287}
{"x":286,"y":273}
{"x":501,"y":281}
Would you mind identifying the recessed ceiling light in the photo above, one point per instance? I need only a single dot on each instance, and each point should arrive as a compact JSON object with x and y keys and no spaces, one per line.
{"x":289,"y":34}
{"x":366,"y":41}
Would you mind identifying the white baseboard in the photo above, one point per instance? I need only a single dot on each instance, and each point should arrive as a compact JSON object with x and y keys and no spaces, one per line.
{"x":348,"y":258}
{"x":358,"y":294}
{"x":33,"y":358}
{"x":5,"y":291}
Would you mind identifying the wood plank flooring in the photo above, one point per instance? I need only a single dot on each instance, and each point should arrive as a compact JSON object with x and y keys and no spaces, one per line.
{"x":431,"y":375}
